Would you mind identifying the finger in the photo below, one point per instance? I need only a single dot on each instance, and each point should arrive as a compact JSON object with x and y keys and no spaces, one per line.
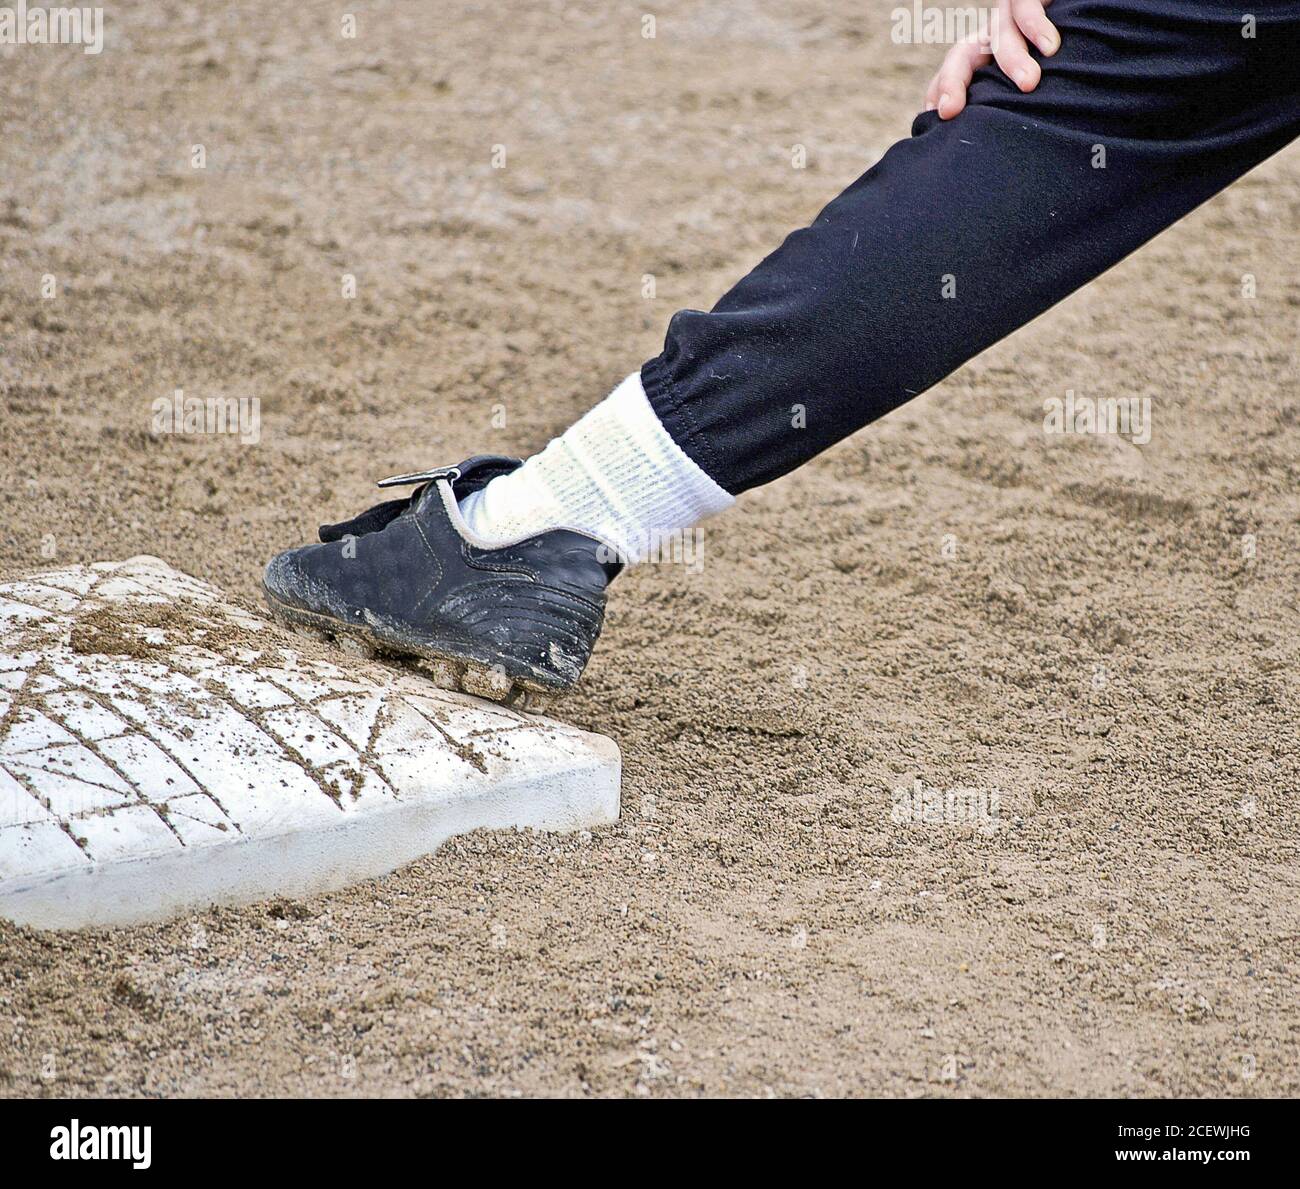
{"x":1032,"y":21}
{"x":1012,"y":54}
{"x":932,"y":92}
{"x":955,"y":75}
{"x":932,"y":89}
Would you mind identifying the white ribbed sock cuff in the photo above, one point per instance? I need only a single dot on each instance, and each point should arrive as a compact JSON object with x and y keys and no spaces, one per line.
{"x":616,"y":475}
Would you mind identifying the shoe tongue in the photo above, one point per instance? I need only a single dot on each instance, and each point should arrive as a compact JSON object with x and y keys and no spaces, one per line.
{"x":473,"y":474}
{"x":370,"y":521}
{"x":478,"y":471}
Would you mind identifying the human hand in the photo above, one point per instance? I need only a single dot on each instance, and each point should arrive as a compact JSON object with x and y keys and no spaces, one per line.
{"x":1017,"y":20}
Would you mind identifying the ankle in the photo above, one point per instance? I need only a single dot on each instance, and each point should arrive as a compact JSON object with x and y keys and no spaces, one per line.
{"x":616,"y":475}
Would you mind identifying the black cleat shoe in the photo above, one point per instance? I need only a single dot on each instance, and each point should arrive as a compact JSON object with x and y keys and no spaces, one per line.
{"x":408,"y":578}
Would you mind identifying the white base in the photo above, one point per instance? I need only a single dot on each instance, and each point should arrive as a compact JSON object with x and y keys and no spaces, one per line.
{"x":211,"y":768}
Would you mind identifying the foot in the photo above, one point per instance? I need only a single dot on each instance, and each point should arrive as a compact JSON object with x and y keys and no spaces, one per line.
{"x":408,"y":578}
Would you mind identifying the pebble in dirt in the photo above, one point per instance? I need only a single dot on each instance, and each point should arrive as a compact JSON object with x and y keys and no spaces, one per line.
{"x":162,"y":749}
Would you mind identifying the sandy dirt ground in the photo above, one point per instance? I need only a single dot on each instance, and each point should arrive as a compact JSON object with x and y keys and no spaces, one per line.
{"x":1103,"y":632}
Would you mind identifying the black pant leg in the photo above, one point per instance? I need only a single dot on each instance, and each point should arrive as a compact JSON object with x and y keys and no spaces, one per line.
{"x":971,"y":228}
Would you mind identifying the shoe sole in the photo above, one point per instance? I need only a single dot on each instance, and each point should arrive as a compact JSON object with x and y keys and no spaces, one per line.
{"x":444,"y":669}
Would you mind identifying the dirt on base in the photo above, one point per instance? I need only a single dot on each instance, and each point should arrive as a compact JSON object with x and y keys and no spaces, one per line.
{"x":1103,"y":633}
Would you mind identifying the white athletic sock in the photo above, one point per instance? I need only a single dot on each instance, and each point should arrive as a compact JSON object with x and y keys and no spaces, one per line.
{"x":616,"y":475}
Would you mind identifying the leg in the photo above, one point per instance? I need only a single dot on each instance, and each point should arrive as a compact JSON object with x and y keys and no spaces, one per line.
{"x":1147,"y":110}
{"x":499,"y":570}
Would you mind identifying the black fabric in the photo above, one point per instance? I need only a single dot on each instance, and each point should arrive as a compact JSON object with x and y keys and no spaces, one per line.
{"x":848,"y":317}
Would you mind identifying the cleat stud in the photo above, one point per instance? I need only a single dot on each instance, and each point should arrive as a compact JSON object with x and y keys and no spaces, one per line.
{"x":484,"y":682}
{"x":533,"y":702}
{"x":443,"y":674}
